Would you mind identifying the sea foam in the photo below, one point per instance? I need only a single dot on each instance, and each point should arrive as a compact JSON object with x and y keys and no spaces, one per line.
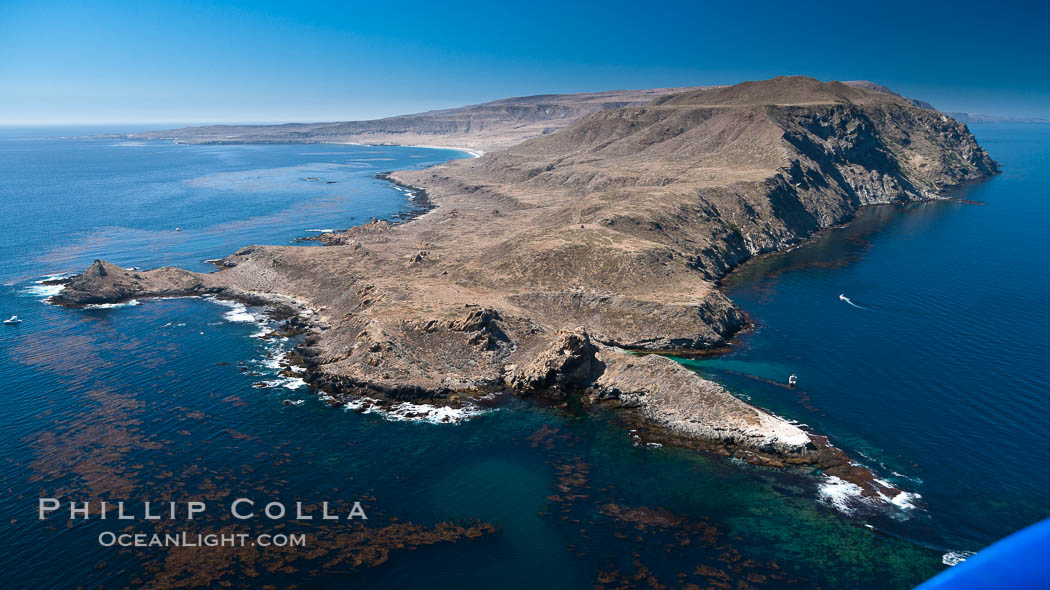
{"x":128,"y":303}
{"x":39,"y":289}
{"x":903,"y":500}
{"x":840,"y":494}
{"x":847,"y":497}
{"x":952,"y":558}
{"x":238,"y":311}
{"x":410,"y":412}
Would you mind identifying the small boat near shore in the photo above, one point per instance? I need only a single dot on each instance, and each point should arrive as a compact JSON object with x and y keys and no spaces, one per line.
{"x":13,"y":321}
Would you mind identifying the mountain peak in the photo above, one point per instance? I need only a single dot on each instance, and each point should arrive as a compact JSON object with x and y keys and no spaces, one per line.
{"x":786,"y":90}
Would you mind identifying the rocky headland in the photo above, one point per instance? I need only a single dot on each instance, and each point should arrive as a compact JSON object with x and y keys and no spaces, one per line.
{"x":545,"y":269}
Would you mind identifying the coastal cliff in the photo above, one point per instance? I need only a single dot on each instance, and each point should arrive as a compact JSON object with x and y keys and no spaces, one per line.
{"x":544,"y":268}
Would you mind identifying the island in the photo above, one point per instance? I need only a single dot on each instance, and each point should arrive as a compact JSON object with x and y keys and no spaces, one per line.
{"x":568,"y":265}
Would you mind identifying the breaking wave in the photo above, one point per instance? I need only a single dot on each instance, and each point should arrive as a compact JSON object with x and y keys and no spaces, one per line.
{"x":39,"y":289}
{"x":128,"y":303}
{"x":952,"y":558}
{"x":410,"y":412}
{"x":847,"y":497}
{"x":840,"y":494}
{"x":238,"y":311}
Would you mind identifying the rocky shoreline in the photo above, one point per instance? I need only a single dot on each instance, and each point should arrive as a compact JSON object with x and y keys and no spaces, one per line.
{"x":568,"y":370}
{"x":543,"y":270}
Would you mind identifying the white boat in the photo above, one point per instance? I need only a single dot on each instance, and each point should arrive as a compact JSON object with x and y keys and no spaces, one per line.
{"x":842,"y":297}
{"x":792,"y":380}
{"x":13,"y":320}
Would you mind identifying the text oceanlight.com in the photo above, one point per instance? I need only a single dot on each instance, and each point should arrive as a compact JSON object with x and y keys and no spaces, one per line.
{"x":184,"y":539}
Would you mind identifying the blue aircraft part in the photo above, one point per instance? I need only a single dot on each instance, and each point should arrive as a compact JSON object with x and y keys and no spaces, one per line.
{"x":1018,"y":562}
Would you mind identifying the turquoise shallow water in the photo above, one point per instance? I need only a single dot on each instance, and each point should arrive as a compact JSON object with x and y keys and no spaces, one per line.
{"x":156,"y":401}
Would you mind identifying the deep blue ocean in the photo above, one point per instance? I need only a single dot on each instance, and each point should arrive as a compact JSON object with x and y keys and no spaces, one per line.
{"x":936,"y":379}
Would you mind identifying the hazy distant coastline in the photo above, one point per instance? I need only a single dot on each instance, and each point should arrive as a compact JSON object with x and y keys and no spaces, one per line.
{"x":978,"y":118}
{"x":480,"y":128}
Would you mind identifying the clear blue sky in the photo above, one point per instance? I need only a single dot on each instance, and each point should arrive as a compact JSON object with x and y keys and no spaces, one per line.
{"x":103,"y":62}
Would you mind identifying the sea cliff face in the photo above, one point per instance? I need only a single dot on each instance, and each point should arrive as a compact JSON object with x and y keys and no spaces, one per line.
{"x":720,"y":175}
{"x":542,"y":265}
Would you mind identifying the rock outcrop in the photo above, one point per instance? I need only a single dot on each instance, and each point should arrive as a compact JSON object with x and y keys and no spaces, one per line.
{"x":104,"y":282}
{"x":672,"y":396}
{"x":569,"y":362}
{"x":540,"y":263}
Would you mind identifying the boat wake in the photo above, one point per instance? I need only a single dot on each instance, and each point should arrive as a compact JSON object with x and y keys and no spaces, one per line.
{"x":847,"y":300}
